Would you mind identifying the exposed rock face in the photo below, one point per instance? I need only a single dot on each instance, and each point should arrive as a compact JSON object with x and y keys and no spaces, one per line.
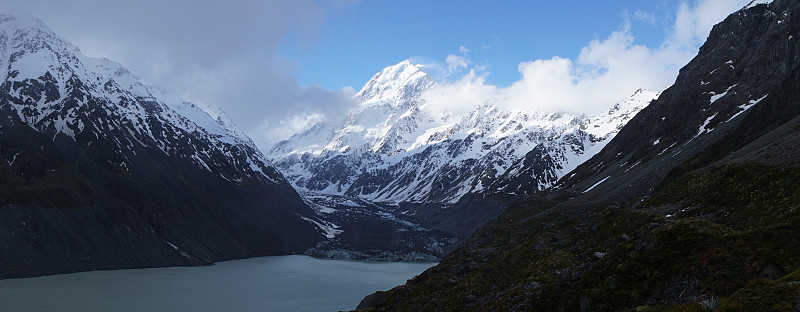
{"x":98,"y":171}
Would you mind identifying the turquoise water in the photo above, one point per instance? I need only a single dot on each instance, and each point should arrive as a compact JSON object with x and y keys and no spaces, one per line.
{"x":285,"y":283}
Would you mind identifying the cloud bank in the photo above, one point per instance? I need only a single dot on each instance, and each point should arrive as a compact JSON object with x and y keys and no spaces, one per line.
{"x":222,"y":53}
{"x":606,"y":71}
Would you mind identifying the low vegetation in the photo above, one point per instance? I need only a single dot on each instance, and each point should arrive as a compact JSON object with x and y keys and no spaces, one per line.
{"x":732,"y":244}
{"x":63,"y":188}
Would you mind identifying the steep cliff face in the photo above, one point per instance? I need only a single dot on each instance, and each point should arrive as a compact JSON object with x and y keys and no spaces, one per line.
{"x":691,"y":206}
{"x":101,"y":172}
{"x":746,"y":58}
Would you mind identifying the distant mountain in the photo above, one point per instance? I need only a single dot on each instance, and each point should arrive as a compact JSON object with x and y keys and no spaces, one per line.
{"x":405,"y":182}
{"x":392,"y":150}
{"x":99,"y":171}
{"x":692,"y":206}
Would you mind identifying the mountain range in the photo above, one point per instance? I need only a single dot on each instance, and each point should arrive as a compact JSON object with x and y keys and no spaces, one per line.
{"x":680,"y":200}
{"x":394,"y":149}
{"x":403,"y":181}
{"x":100,"y":171}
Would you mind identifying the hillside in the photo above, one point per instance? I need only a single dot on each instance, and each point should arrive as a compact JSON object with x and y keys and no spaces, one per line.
{"x":691,"y":207}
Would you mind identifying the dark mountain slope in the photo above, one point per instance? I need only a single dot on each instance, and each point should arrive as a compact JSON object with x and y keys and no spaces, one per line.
{"x":684,"y":213}
{"x":745,"y":59}
{"x":97,"y":172}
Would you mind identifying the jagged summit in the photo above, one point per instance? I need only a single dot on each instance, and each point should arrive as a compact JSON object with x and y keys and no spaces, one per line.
{"x":25,"y":34}
{"x":756,"y":2}
{"x":25,"y":21}
{"x":394,"y":83}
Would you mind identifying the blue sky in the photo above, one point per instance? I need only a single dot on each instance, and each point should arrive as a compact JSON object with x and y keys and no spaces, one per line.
{"x":362,"y":39}
{"x":278,"y":66}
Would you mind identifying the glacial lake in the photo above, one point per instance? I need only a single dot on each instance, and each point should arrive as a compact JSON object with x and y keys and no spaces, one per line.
{"x":282,"y":283}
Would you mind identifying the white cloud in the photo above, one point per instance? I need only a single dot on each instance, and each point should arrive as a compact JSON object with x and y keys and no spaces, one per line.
{"x":693,"y":23}
{"x":456,"y":64}
{"x":461,"y":96}
{"x":605,"y":72}
{"x":288,"y":126}
{"x":301,"y":111}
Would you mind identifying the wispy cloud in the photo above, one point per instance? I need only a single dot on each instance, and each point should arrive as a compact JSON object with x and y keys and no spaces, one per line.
{"x":645,"y":17}
{"x":456,"y":63}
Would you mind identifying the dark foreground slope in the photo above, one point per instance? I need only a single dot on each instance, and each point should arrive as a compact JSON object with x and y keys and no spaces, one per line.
{"x":693,"y":206}
{"x":97,"y":173}
{"x":59,"y":216}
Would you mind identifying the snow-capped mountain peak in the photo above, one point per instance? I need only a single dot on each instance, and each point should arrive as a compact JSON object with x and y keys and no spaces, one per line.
{"x":27,"y":27}
{"x":391,"y":85}
{"x":20,"y":33}
{"x":390,"y":150}
{"x":55,"y":89}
